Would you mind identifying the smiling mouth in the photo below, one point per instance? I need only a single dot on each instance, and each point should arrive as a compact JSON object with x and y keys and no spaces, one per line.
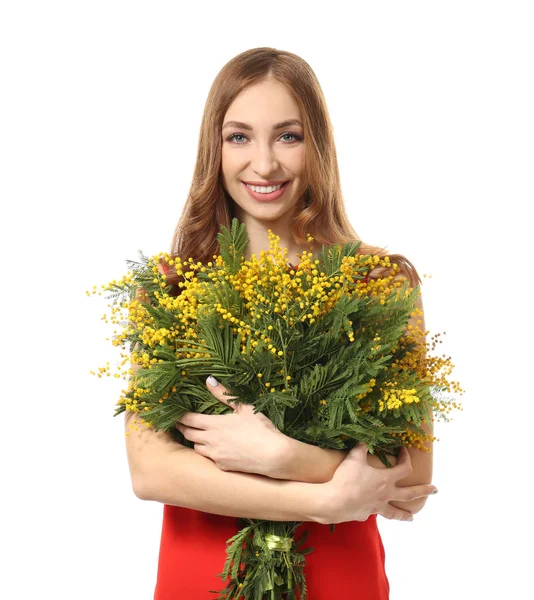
{"x":265,"y":196}
{"x":256,"y":188}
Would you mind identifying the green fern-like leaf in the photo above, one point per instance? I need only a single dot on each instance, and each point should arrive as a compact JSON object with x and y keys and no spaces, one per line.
{"x":234,"y":552}
{"x":233,"y":244}
{"x":332,"y":255}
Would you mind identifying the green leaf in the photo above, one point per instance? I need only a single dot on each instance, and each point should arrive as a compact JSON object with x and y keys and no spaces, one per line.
{"x":233,"y":244}
{"x":332,"y":256}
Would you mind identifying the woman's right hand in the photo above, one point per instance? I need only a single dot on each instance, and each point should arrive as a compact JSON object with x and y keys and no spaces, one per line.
{"x":358,"y":490}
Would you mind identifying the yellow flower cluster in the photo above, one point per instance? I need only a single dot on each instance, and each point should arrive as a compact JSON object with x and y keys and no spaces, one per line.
{"x":270,"y":291}
{"x":152,"y":337}
{"x":432,"y":369}
{"x":413,"y":439}
{"x":266,"y":287}
{"x":371,"y":383}
{"x":102,"y":371}
{"x":396,"y":397}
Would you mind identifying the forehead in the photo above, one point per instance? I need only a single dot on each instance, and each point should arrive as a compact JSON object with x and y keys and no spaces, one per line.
{"x":265,"y":103}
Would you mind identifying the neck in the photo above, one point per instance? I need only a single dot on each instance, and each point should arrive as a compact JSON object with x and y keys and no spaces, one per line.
{"x":258,"y":234}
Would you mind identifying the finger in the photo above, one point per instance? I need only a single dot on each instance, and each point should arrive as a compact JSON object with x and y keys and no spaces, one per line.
{"x":219,"y":391}
{"x":358,"y":452}
{"x":199,"y":420}
{"x":202,"y":449}
{"x":412,"y":492}
{"x":192,"y":434}
{"x":393,"y":513}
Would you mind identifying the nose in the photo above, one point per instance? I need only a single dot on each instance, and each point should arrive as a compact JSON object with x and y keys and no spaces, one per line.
{"x":264,"y":160}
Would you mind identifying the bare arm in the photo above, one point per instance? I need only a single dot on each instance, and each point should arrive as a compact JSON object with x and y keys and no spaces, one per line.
{"x":307,"y":463}
{"x":163,"y":470}
{"x":299,"y":461}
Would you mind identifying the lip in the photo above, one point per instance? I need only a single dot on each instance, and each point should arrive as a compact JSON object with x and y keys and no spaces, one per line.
{"x":267,"y":197}
{"x":266,"y":183}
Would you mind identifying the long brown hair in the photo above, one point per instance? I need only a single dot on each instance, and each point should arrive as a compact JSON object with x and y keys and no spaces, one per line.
{"x":320,"y":210}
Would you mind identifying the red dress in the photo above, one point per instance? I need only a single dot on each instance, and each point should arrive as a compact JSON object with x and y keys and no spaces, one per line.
{"x":348,"y":564}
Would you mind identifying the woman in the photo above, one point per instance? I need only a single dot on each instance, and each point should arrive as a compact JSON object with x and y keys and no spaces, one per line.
{"x":266,"y":123}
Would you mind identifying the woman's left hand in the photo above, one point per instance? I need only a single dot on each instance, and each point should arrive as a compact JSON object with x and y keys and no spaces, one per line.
{"x":240,"y":441}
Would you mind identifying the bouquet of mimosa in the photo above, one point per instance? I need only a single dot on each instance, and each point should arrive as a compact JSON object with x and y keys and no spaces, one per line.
{"x":323,"y":351}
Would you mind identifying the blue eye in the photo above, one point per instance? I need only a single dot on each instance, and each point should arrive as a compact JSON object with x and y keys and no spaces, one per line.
{"x":295,"y":136}
{"x":232,"y":138}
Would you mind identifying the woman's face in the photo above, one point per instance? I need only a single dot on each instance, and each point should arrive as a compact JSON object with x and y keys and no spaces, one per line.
{"x":263,"y":149}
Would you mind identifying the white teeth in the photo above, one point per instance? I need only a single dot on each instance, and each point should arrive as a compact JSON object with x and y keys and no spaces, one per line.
{"x":264,"y":190}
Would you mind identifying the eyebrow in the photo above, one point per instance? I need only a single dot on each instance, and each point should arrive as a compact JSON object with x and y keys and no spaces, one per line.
{"x":281,"y":125}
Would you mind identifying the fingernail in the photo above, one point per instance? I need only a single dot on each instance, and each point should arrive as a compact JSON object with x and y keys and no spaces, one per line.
{"x":409,"y":519}
{"x":212,"y":381}
{"x":435,"y":491}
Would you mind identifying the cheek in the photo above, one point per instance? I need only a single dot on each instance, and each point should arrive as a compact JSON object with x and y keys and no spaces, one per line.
{"x":230,"y":169}
{"x":295,"y":162}
{"x":227,"y":160}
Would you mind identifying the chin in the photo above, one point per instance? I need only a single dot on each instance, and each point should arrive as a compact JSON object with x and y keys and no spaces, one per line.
{"x":270,"y":213}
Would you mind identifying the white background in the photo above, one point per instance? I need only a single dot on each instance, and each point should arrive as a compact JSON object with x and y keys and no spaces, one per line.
{"x":100,"y":109}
